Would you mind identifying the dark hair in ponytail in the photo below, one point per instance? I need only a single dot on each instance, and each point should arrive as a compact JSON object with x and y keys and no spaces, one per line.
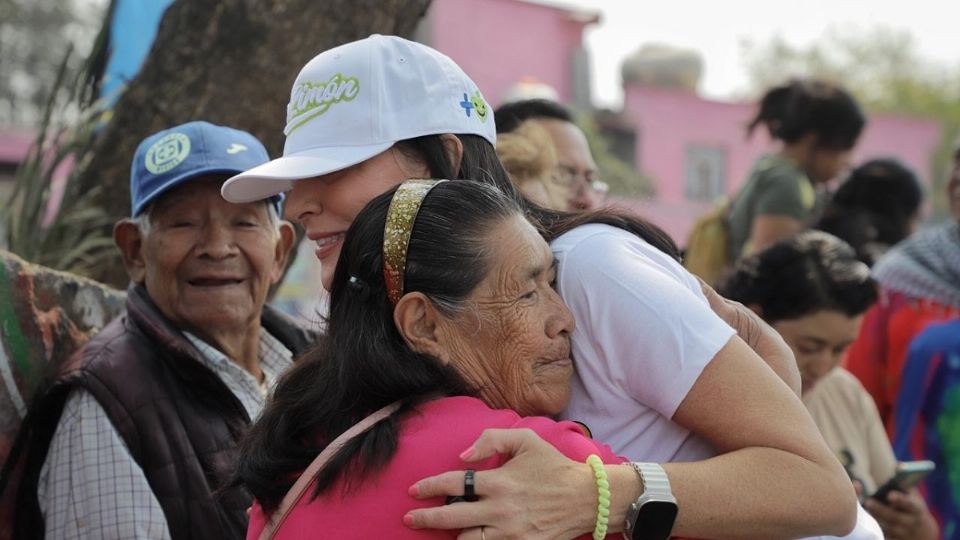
{"x":802,"y":106}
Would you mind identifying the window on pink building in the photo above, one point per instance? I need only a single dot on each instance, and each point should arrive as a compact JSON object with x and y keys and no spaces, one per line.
{"x":706,"y":171}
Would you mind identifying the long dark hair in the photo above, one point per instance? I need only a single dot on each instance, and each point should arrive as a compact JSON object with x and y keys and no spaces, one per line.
{"x":801,"y":106}
{"x":363,"y":363}
{"x":480,"y":162}
{"x":810,"y":272}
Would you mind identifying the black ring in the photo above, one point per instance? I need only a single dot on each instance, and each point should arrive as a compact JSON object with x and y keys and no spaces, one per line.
{"x":469,"y":495}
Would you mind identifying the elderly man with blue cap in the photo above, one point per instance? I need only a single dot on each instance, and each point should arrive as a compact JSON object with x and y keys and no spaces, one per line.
{"x":138,"y":435}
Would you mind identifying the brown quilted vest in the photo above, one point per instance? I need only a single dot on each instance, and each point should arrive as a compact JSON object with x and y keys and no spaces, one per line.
{"x":180,"y":422}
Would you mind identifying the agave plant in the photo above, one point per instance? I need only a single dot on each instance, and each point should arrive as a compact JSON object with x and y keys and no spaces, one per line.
{"x":69,"y":236}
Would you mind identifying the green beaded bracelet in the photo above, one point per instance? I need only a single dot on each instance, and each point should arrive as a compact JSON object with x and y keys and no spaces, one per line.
{"x":603,"y":496}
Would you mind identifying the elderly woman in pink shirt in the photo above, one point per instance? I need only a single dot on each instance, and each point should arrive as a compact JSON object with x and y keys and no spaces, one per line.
{"x":453,"y":323}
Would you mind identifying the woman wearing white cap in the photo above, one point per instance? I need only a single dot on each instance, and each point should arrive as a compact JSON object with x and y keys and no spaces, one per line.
{"x":367,"y":115}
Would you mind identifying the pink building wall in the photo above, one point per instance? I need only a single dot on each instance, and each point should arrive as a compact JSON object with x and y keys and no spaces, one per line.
{"x":14,"y":144}
{"x":667,"y":121}
{"x":499,"y":42}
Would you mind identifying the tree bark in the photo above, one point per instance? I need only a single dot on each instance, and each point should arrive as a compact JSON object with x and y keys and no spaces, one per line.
{"x":230,"y":62}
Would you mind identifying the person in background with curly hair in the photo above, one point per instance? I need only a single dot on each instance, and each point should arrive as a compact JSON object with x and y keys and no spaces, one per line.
{"x":813,"y":290}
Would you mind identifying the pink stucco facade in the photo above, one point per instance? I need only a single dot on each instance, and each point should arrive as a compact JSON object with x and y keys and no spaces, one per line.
{"x":500,"y":42}
{"x":14,"y":144}
{"x":669,"y":122}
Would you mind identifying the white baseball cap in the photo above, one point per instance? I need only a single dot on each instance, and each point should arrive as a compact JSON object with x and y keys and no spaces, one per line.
{"x":354,"y":101}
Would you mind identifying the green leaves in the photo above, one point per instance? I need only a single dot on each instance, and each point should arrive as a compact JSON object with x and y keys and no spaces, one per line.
{"x":65,"y":233}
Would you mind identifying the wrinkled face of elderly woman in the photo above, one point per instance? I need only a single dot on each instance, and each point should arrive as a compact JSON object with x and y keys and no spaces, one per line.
{"x":512,"y":342}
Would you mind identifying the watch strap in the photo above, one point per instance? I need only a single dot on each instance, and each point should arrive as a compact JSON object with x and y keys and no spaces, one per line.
{"x":656,"y":487}
{"x":654,"y":478}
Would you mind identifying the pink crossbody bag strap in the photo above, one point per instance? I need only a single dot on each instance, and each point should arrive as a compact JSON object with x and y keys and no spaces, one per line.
{"x":299,"y":487}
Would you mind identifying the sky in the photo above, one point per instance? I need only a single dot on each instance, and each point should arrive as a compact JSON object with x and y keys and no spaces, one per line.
{"x":717,"y":29}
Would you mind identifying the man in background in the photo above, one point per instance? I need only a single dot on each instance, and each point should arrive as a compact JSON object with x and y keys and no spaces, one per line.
{"x":576,"y":169}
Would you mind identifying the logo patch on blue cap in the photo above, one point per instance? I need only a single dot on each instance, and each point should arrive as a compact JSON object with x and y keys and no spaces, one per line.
{"x":167,"y":153}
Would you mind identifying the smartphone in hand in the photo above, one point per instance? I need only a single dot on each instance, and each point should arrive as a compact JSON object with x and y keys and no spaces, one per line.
{"x":908,"y":475}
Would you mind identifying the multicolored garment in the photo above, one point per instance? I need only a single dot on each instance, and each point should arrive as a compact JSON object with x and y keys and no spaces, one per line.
{"x":878,"y":355}
{"x":920,"y":285}
{"x":928,"y":419}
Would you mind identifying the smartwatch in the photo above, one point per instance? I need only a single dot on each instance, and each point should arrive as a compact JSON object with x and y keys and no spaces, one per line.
{"x":652,"y":515}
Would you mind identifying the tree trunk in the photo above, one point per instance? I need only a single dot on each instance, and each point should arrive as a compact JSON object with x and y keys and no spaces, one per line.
{"x":230,"y":62}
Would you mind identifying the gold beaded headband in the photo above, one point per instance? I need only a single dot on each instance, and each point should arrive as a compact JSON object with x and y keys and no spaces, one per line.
{"x":396,"y":232}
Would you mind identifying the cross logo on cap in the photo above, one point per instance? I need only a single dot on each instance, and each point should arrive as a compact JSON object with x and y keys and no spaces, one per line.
{"x":466,"y":104}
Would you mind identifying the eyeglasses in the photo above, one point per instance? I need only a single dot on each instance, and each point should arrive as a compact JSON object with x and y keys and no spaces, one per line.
{"x":568,"y":176}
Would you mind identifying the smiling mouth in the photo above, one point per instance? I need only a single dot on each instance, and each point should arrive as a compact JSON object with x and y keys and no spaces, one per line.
{"x":214,"y":282}
{"x":328,"y":244}
{"x":327,"y":241}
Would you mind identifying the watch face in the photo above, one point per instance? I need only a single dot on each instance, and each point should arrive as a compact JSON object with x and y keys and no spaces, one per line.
{"x":655,"y":520}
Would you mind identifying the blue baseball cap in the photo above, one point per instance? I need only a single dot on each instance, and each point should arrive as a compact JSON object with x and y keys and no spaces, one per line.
{"x":171,"y":157}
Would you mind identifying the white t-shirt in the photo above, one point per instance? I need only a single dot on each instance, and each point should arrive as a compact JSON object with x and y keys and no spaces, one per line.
{"x":644,"y":334}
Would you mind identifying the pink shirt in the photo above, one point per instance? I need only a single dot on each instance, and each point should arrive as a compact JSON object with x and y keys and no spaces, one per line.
{"x":430,"y":443}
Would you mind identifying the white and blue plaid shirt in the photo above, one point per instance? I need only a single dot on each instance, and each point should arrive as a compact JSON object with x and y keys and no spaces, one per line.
{"x":91,"y":487}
